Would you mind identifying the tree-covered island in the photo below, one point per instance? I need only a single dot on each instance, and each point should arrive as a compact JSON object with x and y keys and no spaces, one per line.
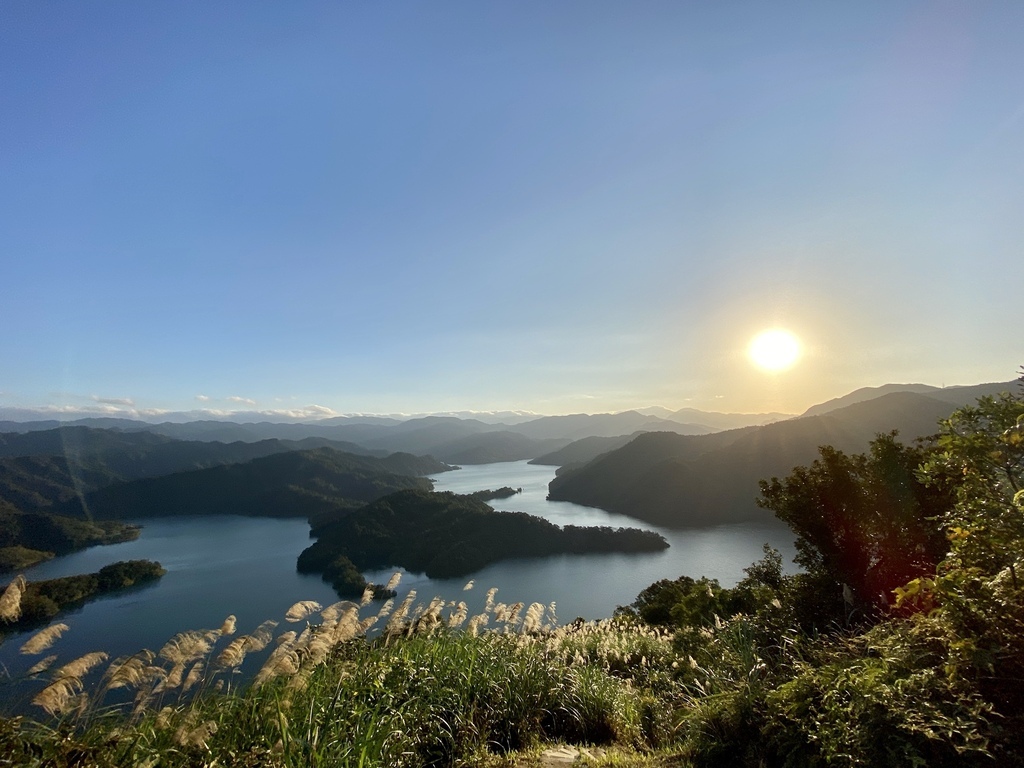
{"x":40,"y":601}
{"x":505,"y":492}
{"x":445,"y":535}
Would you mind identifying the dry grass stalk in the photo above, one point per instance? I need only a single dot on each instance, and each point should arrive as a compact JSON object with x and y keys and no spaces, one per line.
{"x":43,"y":639}
{"x":282,"y":662}
{"x":348,"y":626}
{"x":458,"y":617}
{"x":392,"y":584}
{"x":395,"y":623}
{"x":367,"y":597}
{"x":10,"y":600}
{"x":228,"y":627}
{"x":186,"y":646}
{"x":333,"y":611}
{"x":41,"y":666}
{"x":534,"y":614}
{"x":56,"y":697}
{"x":131,"y":672}
{"x":285,"y":637}
{"x":81,"y":665}
{"x":386,"y":608}
{"x":234,"y":652}
{"x":475,"y":623}
{"x":172,"y":680}
{"x":301,"y":610}
{"x":261,"y":636}
{"x":194,"y":676}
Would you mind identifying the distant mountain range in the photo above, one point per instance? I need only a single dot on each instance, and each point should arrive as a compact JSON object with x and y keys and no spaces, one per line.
{"x":681,"y":481}
{"x":447,"y":438}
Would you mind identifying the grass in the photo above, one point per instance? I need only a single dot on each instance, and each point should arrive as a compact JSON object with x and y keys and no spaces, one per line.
{"x":434,"y":687}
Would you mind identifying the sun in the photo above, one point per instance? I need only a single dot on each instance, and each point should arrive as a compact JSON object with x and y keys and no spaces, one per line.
{"x":774,"y":350}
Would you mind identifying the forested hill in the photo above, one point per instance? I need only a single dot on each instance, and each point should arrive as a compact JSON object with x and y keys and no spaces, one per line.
{"x":308,"y":484}
{"x":132,"y":455}
{"x":704,"y":480}
{"x":445,"y":535}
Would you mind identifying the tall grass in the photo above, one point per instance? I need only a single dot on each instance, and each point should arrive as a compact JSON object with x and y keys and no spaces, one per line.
{"x":435,"y":686}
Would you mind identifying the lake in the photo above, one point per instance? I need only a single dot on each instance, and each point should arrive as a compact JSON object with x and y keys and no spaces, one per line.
{"x":246,"y":566}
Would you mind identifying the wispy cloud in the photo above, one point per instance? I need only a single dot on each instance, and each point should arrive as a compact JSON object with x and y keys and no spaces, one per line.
{"x":243,"y":400}
{"x":320,"y":410}
{"x":203,"y":398}
{"x":124,"y":401}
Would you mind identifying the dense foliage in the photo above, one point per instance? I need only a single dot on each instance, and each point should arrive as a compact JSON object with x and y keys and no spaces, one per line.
{"x":445,"y":534}
{"x":27,"y":538}
{"x":316,"y":483}
{"x":490,"y":494}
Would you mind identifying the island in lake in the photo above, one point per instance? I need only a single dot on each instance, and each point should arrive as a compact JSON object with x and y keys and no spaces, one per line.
{"x":445,"y":535}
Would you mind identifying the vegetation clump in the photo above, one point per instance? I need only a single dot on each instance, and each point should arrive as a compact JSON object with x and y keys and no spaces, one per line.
{"x":445,"y":535}
{"x":505,"y":492}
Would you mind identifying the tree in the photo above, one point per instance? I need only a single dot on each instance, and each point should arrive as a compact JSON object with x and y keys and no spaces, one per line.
{"x":866,"y":524}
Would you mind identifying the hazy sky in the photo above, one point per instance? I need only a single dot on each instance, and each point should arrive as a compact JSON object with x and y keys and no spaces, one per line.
{"x":550,"y":206}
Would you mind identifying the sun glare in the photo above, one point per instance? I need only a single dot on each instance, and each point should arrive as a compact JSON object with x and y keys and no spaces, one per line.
{"x":774,"y":350}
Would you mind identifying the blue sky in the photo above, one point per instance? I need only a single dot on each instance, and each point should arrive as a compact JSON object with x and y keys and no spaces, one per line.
{"x":554,"y":207}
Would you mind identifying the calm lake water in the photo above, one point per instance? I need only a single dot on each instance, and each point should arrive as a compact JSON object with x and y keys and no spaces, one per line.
{"x":246,"y":566}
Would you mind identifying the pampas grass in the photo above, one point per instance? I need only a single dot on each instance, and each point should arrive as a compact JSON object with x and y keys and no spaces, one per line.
{"x":434,"y":688}
{"x":228,"y":627}
{"x":82,"y":665}
{"x":41,"y":666}
{"x":187,"y":646}
{"x":301,"y":610}
{"x":55,"y":697}
{"x":43,"y":639}
{"x":10,"y":600}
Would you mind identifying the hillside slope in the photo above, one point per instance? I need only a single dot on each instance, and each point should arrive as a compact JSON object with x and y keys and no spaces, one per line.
{"x":682,"y":482}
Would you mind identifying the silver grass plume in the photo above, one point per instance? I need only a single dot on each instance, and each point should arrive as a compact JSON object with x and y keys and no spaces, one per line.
{"x":333,"y":612}
{"x":131,"y":672}
{"x":234,"y":652}
{"x":44,"y":638}
{"x":55,"y":697}
{"x":194,"y":676}
{"x":534,"y":614}
{"x":392,"y":584}
{"x":261,"y":636}
{"x":41,"y":666}
{"x":81,"y":665}
{"x":395,"y":622}
{"x":228,"y":627}
{"x":10,"y":600}
{"x":186,"y":646}
{"x":301,"y":610}
{"x":458,"y":616}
